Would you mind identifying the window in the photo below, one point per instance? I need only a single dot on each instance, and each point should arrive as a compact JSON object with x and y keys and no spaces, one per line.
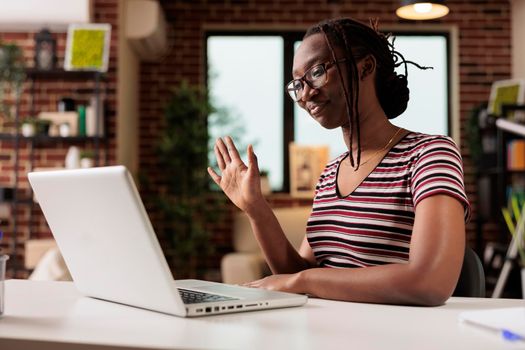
{"x":246,"y":73}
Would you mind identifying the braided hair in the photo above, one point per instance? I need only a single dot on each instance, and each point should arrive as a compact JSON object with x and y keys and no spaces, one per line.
{"x":358,"y":40}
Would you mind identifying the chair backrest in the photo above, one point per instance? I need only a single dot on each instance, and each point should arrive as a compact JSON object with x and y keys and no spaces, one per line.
{"x":293,"y":222}
{"x":471,"y":281}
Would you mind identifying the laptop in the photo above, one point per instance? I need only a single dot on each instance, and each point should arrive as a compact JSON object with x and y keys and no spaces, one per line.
{"x":109,"y":245}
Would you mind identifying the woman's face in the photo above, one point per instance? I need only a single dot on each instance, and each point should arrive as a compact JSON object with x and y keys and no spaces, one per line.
{"x":327,"y":103}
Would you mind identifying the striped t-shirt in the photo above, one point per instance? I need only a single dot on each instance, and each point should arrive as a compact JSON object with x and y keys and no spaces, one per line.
{"x":373,"y":225}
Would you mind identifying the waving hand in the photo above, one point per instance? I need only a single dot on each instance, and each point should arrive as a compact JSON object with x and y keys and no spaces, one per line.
{"x":239,"y":182}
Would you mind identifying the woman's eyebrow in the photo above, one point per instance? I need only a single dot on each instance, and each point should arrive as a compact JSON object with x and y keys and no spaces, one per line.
{"x":309,"y":64}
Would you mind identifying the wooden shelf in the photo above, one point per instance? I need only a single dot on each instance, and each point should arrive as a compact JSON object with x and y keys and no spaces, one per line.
{"x":61,"y":74}
{"x":44,"y":138}
{"x":512,"y":127}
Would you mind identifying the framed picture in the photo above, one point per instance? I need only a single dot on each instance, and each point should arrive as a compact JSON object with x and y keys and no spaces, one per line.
{"x":306,"y":164}
{"x":510,"y":91}
{"x":87,"y":47}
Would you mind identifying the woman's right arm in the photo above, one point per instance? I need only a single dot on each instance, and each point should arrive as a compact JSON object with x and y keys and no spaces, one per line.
{"x":280,"y":255}
{"x":241,"y":184}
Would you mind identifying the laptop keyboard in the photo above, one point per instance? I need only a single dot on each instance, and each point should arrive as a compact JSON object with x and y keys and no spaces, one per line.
{"x":194,"y":297}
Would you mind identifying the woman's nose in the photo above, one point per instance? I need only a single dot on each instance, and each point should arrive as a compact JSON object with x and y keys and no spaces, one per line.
{"x":307,"y":92}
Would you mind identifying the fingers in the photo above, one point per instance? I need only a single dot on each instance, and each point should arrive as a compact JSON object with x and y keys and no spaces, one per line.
{"x":232,"y":150}
{"x":252,"y":160}
{"x":216,"y":178}
{"x":254,"y":284}
{"x":223,"y":151}
{"x":220,"y":159}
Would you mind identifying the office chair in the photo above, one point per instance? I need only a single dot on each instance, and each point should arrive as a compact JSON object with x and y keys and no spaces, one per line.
{"x":471,"y":281}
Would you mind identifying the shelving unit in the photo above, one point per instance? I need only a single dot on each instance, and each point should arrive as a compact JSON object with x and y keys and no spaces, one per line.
{"x":39,"y":142}
{"x":493,"y":178}
{"x":508,"y":130}
{"x":484,"y":154}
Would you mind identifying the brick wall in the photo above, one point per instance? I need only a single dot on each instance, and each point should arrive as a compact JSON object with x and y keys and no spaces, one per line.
{"x":484,"y":48}
{"x":50,"y":154}
{"x":484,"y":56}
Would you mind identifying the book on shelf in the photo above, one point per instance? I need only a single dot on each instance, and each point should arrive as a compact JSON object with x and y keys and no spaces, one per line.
{"x":516,"y":155}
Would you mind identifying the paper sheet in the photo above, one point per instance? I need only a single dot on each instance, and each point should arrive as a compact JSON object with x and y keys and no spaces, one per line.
{"x":507,"y":319}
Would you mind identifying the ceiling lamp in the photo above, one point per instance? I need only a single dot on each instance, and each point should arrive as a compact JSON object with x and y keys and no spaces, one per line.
{"x":422,"y":10}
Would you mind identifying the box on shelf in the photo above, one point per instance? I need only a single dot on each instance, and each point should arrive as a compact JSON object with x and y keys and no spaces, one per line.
{"x":59,"y":118}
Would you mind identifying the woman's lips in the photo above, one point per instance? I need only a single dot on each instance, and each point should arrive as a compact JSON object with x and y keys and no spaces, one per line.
{"x":314,"y":110}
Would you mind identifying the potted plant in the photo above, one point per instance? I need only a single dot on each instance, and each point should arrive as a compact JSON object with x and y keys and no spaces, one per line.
{"x":28,"y":128}
{"x":87,"y":157}
{"x":12,"y":76}
{"x":35,"y":126}
{"x":185,"y":203}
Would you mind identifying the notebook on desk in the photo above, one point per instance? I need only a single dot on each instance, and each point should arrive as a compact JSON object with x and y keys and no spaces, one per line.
{"x":109,"y":245}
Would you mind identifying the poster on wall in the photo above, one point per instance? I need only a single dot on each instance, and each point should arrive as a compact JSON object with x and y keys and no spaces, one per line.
{"x":511,"y":91}
{"x":87,"y":47}
{"x":306,"y":164}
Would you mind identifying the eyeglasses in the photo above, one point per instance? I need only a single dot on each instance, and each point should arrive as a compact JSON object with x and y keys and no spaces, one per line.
{"x":314,"y":77}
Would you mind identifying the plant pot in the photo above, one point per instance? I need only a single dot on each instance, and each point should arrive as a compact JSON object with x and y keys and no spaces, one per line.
{"x":64,"y":130}
{"x":28,"y":129}
{"x":86,"y":162}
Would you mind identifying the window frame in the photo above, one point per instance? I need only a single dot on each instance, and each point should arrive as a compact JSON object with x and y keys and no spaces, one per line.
{"x":289,"y":38}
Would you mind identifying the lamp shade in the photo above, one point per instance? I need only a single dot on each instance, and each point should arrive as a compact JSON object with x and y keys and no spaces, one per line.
{"x":422,"y":10}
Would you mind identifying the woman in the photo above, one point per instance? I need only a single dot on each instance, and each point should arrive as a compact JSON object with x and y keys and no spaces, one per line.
{"x":388,"y":219}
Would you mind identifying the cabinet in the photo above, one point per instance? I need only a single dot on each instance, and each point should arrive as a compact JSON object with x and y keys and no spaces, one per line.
{"x":43,"y":90}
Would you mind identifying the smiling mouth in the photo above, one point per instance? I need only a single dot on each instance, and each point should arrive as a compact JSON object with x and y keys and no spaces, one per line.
{"x":317,"y":108}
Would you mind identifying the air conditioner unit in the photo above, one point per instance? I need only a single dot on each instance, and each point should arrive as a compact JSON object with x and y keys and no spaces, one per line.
{"x":146,"y":29}
{"x":33,"y":15}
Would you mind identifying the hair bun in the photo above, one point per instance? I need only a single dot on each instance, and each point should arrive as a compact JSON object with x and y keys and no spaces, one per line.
{"x":393,"y":94}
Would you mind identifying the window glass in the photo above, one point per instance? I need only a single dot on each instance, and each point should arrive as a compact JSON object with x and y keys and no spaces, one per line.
{"x":246,"y":76}
{"x":427,"y":110}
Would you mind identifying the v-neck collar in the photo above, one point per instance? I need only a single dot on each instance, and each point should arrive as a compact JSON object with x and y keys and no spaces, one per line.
{"x":338,"y":193}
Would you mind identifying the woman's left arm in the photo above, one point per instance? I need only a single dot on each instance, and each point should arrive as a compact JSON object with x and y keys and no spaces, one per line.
{"x":436,"y":255}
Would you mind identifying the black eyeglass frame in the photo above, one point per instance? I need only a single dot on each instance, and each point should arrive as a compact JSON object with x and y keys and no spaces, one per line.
{"x":325,"y":65}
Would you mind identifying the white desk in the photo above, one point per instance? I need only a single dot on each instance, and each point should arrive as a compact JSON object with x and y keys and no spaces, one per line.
{"x":53,"y":315}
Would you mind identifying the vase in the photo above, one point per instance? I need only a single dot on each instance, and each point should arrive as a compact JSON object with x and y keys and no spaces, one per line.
{"x":72,"y":158}
{"x":28,"y":130}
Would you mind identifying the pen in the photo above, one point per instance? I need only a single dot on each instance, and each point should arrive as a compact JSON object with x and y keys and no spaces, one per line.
{"x":506,"y":334}
{"x":511,"y":336}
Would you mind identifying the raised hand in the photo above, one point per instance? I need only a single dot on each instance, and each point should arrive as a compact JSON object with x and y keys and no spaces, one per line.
{"x":239,"y":182}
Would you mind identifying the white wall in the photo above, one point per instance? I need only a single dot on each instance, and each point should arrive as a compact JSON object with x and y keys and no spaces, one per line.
{"x":518,"y":38}
{"x":127,"y":99}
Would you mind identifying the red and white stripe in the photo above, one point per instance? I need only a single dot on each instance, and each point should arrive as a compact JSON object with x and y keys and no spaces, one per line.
{"x":373,"y":225}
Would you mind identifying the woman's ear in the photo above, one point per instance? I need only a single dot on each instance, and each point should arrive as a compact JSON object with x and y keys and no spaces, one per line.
{"x":368,"y":66}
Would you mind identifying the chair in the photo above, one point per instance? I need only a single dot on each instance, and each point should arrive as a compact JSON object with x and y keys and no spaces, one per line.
{"x":247,"y":263}
{"x":471,"y":281}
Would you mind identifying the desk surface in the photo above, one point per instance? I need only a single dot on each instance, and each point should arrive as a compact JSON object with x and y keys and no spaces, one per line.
{"x":55,"y":314}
